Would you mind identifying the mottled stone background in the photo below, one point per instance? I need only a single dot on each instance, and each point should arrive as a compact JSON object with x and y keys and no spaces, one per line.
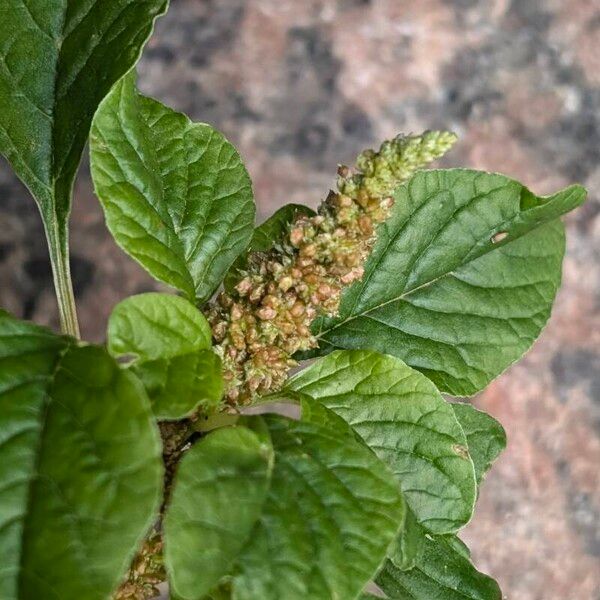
{"x":299,"y":86}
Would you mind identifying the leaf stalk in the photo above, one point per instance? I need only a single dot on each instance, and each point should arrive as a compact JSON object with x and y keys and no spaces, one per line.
{"x":58,"y":247}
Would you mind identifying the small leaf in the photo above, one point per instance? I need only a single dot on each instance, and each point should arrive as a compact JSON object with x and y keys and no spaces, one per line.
{"x":273,"y":230}
{"x":80,"y":466}
{"x":486,"y":438}
{"x":57,"y":62}
{"x":179,"y":385}
{"x":154,"y":325}
{"x":399,"y":413}
{"x":443,"y":573}
{"x":457,"y":545}
{"x":170,"y":341}
{"x":442,"y":291}
{"x":175,"y":194}
{"x":409,"y":547}
{"x":331,"y":513}
{"x":266,"y":236}
{"x":219,"y":490}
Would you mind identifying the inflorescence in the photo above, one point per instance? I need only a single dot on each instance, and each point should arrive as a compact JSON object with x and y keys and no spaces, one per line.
{"x":265,"y":320}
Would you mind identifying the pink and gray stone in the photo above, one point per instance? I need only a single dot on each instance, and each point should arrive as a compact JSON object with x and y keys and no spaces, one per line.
{"x":301,"y":86}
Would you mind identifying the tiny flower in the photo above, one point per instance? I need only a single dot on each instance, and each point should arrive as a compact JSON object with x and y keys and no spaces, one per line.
{"x":285,"y":283}
{"x":266,"y":313}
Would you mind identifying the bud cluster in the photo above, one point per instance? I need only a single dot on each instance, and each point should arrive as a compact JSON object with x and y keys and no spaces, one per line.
{"x":146,"y":572}
{"x":266,"y":319}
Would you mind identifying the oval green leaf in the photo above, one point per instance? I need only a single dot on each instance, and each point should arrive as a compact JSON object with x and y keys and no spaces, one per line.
{"x":175,"y":194}
{"x":218,"y":494}
{"x":153,"y":325}
{"x":461,"y":279}
{"x":332,"y":510}
{"x":169,"y":341}
{"x":80,"y":466}
{"x":402,"y":417}
{"x":177,"y":386}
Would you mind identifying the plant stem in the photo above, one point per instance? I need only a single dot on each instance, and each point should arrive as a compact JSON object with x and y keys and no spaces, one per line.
{"x":58,"y":247}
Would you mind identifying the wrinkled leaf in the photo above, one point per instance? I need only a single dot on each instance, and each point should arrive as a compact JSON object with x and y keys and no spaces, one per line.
{"x":486,"y":438}
{"x":179,"y":385}
{"x":155,"y":325}
{"x":218,"y":494}
{"x":57,"y":62}
{"x":443,"y":573}
{"x":265,"y":237}
{"x":461,"y":279}
{"x":169,"y":340}
{"x":79,"y":463}
{"x":175,"y":194}
{"x":400,"y":415}
{"x":332,"y":511}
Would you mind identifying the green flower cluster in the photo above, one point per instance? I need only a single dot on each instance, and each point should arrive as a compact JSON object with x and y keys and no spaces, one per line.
{"x":260,"y":325}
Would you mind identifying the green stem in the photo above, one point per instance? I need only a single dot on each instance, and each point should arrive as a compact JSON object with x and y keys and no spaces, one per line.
{"x":58,"y":247}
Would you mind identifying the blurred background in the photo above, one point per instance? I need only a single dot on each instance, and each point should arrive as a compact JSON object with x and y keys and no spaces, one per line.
{"x":299,"y":86}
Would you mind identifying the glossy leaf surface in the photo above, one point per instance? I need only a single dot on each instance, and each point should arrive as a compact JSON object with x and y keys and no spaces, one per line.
{"x":175,"y":194}
{"x":169,"y":342}
{"x":399,"y":413}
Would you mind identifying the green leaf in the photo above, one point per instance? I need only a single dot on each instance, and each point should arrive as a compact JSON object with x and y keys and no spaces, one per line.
{"x":177,"y":386}
{"x":80,"y":466}
{"x":315,"y":412}
{"x":409,"y":547}
{"x":399,"y":413}
{"x":219,"y":490}
{"x":457,"y":545}
{"x":175,"y":194}
{"x":266,"y":236}
{"x":461,"y":279}
{"x":170,"y":341}
{"x":273,"y":230}
{"x":443,"y":573}
{"x":486,"y":438}
{"x":332,"y":510}
{"x":57,"y":62}
{"x":219,"y":594}
{"x":154,"y":325}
